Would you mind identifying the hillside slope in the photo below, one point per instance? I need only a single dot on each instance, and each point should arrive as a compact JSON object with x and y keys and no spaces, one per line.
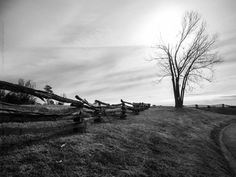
{"x":159,"y":142}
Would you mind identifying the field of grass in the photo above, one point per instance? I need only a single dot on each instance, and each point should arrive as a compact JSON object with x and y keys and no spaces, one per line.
{"x":161,"y":141}
{"x":226,"y":110}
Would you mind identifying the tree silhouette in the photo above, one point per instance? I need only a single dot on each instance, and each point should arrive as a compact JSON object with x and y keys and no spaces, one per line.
{"x":48,"y":89}
{"x":190,"y":59}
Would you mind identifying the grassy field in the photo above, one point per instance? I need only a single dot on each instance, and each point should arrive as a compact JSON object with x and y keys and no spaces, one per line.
{"x":161,"y":141}
{"x":227,"y":110}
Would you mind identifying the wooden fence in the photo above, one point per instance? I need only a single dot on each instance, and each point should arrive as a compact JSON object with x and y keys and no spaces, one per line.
{"x":80,"y":111}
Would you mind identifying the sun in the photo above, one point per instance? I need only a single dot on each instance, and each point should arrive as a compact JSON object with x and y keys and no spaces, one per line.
{"x":163,"y":24}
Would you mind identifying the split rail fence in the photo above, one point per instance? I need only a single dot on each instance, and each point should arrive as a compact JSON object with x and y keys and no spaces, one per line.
{"x":81,"y":111}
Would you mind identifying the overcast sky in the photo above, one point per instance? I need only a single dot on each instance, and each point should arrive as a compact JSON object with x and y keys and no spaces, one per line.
{"x":99,"y":49}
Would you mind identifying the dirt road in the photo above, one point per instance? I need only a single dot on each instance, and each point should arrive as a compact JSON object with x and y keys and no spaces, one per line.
{"x":229,"y":144}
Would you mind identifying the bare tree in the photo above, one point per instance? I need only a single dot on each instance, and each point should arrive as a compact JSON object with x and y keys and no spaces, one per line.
{"x":190,"y":59}
{"x":48,"y":89}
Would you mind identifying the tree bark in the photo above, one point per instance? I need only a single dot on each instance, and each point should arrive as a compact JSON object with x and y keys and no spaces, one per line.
{"x":179,"y":103}
{"x":177,"y":95}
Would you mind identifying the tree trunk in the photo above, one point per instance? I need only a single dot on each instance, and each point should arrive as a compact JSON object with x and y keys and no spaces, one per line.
{"x":178,"y":103}
{"x":178,"y":99}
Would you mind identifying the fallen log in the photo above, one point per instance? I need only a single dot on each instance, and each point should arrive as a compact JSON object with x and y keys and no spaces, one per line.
{"x":37,"y":93}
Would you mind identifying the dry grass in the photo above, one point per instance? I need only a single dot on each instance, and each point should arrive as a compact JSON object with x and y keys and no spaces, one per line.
{"x":159,"y":142}
{"x":226,"y":110}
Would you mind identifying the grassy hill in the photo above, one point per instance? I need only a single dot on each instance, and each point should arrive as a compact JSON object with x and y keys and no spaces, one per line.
{"x":161,"y":141}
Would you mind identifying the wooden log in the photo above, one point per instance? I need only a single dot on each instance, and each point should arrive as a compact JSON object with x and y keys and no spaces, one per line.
{"x":89,"y":111}
{"x":86,"y":103}
{"x":113,"y":111}
{"x":117,"y":109}
{"x":34,"y":109}
{"x":37,"y":93}
{"x":110,"y":106}
{"x":116,"y":105}
{"x":107,"y":105}
{"x":127,"y":102}
{"x":103,"y":103}
{"x":20,"y":113}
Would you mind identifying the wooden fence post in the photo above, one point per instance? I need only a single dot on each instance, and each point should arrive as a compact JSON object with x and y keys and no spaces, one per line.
{"x":136,"y":108}
{"x":80,"y":125}
{"x":123,"y":110}
{"x":98,"y":113}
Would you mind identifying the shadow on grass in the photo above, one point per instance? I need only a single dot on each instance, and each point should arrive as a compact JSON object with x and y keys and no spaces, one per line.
{"x":12,"y":142}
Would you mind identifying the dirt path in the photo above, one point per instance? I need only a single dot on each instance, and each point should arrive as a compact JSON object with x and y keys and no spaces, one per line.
{"x":228,"y":144}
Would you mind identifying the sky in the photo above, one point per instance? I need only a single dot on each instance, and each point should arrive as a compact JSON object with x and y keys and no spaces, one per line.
{"x":101,"y":49}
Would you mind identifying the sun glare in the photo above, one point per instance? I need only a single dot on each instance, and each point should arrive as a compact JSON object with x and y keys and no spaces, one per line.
{"x":164,"y":24}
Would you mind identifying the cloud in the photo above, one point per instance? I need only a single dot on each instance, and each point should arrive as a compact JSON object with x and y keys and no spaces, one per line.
{"x":79,"y":34}
{"x":4,"y":5}
{"x":70,"y":69}
{"x":229,"y":41}
{"x":90,"y":47}
{"x":229,"y":96}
